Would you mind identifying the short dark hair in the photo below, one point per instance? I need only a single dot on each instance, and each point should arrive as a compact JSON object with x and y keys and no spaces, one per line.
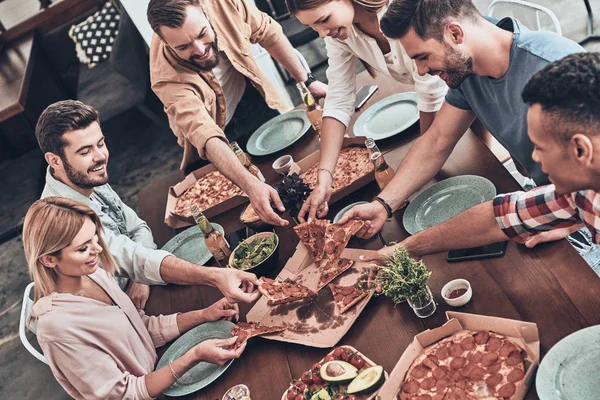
{"x":568,"y":90}
{"x":60,"y":118}
{"x":170,"y":13}
{"x":426,"y":17}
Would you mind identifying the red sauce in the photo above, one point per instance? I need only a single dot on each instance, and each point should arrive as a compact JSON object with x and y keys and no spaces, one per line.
{"x":457,"y":293}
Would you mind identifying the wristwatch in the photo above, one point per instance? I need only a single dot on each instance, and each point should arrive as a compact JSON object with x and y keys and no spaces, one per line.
{"x":310,"y":79}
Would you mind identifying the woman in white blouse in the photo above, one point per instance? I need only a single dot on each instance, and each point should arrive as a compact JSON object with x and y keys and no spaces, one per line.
{"x":351,"y":32}
{"x":98,"y":345}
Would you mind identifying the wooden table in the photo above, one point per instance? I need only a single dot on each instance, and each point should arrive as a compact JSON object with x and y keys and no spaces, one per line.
{"x":549,"y":285}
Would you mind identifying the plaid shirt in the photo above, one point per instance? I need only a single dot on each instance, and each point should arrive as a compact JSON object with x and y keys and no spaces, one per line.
{"x":524,"y":214}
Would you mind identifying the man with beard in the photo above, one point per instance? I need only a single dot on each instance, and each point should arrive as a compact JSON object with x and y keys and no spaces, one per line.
{"x":70,"y":137}
{"x":486,"y":66}
{"x":202,"y":69}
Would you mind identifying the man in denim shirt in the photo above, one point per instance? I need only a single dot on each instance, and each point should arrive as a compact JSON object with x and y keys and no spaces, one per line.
{"x":70,"y":137}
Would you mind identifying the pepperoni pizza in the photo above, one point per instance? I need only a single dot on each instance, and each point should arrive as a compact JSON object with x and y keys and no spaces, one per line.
{"x":451,"y":368}
{"x":283,"y":292}
{"x":246,"y":330}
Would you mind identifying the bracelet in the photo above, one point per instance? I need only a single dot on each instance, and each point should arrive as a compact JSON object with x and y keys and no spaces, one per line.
{"x":177,"y":377}
{"x":330,"y":174}
{"x":385,"y":205}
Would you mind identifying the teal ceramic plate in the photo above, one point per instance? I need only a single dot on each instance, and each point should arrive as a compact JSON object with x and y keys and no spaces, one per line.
{"x":445,"y":199}
{"x":203,"y":373}
{"x":278,"y":133}
{"x":570,"y":369}
{"x":344,"y":210}
{"x":189,"y":245}
{"x":388,"y":117}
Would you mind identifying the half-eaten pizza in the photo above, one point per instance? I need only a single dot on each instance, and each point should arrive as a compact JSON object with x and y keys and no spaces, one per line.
{"x":246,"y":330}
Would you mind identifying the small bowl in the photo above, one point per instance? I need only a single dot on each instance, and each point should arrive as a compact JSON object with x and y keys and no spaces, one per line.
{"x":455,"y":285}
{"x":267,"y":264}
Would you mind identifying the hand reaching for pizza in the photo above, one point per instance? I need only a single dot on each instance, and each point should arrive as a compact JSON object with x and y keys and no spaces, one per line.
{"x":374,"y":215}
{"x":222,"y":309}
{"x":316,"y":204}
{"x":217,"y":351}
{"x":261,"y":196}
{"x":237,"y":286}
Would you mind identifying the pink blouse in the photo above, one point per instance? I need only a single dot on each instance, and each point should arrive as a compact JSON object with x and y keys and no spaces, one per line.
{"x":97,"y":351}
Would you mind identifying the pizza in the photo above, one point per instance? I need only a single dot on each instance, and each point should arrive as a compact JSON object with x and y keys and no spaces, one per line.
{"x":450,"y":368}
{"x":283,"y":292}
{"x":312,"y":236}
{"x":337,"y":237}
{"x":331,"y":269}
{"x":246,"y":330}
{"x":210,"y":190}
{"x":353,"y":163}
{"x":345,"y":297}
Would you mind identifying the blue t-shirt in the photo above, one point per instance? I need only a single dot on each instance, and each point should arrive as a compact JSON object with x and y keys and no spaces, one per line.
{"x":498,"y":103}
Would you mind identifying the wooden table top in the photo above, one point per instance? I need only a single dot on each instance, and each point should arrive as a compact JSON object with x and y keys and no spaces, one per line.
{"x":15,"y":71}
{"x":550,"y":285}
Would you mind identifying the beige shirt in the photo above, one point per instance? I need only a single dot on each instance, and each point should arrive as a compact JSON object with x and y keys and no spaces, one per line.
{"x":97,"y":351}
{"x":193,"y":99}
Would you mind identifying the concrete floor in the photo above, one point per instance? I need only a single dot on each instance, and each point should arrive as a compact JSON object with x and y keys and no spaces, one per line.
{"x":140,"y":153}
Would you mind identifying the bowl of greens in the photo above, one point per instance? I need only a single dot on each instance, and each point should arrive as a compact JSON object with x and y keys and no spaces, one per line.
{"x":257,"y":254}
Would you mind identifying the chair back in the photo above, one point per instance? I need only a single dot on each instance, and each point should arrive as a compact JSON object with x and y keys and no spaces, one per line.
{"x":532,"y":15}
{"x":276,"y":8}
{"x":26,"y":308}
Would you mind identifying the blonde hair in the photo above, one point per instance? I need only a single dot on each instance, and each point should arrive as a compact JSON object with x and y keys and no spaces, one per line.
{"x":302,"y":5}
{"x":50,"y":225}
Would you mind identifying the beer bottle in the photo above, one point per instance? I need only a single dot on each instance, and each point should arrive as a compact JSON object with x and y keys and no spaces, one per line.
{"x":383,"y":172}
{"x":246,"y":161}
{"x":313,"y":109}
{"x":215,"y":241}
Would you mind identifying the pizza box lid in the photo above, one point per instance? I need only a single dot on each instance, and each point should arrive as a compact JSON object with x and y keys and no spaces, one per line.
{"x":525,"y":334}
{"x":176,"y":221}
{"x":314,"y":158}
{"x":314,"y":322}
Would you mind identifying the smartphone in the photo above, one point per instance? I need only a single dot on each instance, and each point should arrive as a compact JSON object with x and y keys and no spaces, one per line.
{"x":363,"y":95}
{"x":474,"y":253}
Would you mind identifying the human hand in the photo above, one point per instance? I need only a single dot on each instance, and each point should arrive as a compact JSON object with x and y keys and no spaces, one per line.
{"x":217,"y":351}
{"x":374,"y":215}
{"x":138,"y":293}
{"x":377,"y":259}
{"x":550,"y":236}
{"x":318,"y":90}
{"x":316,"y":204}
{"x":222,"y":309}
{"x":237,"y":286}
{"x":261,"y":196}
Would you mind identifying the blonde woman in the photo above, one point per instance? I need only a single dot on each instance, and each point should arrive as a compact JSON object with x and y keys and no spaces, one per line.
{"x":98,"y":345}
{"x":351,"y":32}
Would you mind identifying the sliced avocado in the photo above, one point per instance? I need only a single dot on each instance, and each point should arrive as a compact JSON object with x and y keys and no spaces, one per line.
{"x":338,"y":371}
{"x":369,"y":379}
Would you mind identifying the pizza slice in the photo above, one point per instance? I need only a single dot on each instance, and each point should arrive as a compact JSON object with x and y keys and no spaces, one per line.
{"x":331,"y":269}
{"x":337,"y":237}
{"x":346,"y":297}
{"x":283,"y":292}
{"x":246,"y":330}
{"x":312,"y":236}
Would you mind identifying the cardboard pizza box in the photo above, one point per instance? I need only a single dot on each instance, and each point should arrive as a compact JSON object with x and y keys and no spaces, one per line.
{"x":313,"y":159}
{"x":315,"y":322}
{"x":177,"y":221}
{"x":524,"y":334}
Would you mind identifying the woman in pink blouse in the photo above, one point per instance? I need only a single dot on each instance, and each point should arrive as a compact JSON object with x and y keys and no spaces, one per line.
{"x":98,"y":345}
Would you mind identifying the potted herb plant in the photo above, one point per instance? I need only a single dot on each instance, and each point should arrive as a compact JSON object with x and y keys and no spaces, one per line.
{"x":293,"y":192}
{"x":404,"y":278}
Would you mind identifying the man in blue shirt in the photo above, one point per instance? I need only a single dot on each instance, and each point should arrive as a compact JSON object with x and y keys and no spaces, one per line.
{"x":486,"y":66}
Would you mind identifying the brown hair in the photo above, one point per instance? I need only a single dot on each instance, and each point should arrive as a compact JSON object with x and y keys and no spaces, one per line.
{"x":50,"y":225}
{"x":426,"y":17}
{"x":60,"y":118}
{"x":170,"y":13}
{"x":302,"y":5}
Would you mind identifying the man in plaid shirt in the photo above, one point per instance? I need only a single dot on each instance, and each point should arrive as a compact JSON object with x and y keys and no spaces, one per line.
{"x":564,"y":126}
